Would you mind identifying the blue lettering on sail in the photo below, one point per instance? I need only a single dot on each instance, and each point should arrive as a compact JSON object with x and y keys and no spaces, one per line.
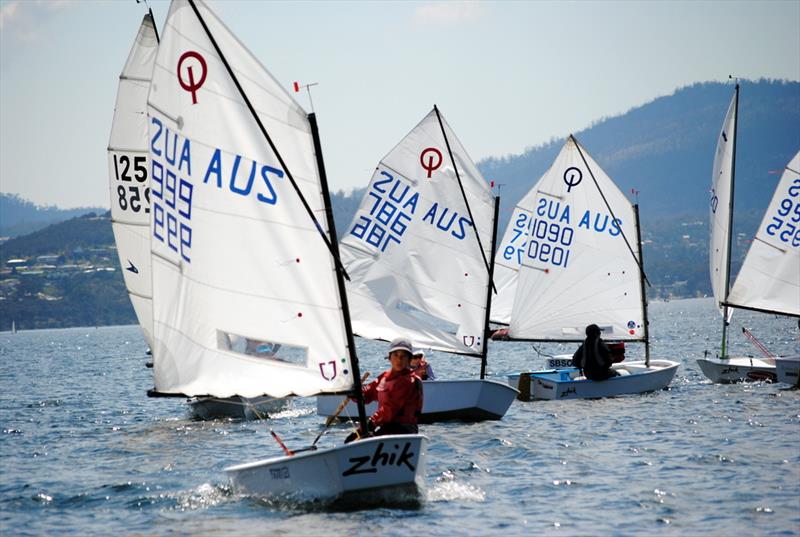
{"x":784,"y":222}
{"x":390,"y":214}
{"x":172,"y":189}
{"x":241,"y":178}
{"x":392,"y":205}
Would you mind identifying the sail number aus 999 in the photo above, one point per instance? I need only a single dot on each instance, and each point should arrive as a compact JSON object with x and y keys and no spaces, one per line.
{"x":135,"y":195}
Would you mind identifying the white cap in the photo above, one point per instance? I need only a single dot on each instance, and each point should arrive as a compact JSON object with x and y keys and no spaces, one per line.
{"x":400,"y":344}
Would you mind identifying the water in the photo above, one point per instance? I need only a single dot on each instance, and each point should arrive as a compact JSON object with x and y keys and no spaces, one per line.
{"x":84,"y":451}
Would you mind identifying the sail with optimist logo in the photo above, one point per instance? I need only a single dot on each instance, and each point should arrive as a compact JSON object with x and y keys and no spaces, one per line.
{"x":237,"y":255}
{"x":418,"y":246}
{"x":129,"y":167}
{"x":578,"y":256}
{"x":769,"y":279}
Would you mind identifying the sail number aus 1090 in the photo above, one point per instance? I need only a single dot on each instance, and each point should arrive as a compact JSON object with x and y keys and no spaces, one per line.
{"x":135,"y":195}
{"x":547,"y":242}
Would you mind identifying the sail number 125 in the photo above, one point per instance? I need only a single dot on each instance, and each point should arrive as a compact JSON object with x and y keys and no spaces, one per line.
{"x":136,"y":194}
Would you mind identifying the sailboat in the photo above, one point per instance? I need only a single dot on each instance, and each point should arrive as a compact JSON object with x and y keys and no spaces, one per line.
{"x":579,"y":262}
{"x":420,"y":265}
{"x":769,"y":280}
{"x":129,"y":170}
{"x":238,"y":252}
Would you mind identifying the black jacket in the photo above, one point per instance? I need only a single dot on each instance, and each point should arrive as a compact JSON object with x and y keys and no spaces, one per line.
{"x":593,"y":358}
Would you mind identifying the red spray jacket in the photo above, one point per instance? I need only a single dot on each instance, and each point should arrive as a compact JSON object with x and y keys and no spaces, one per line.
{"x":399,"y":396}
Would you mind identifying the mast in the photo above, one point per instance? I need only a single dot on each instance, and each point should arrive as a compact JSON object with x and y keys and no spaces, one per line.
{"x":724,"y":350}
{"x":351,"y":345}
{"x":485,"y":350}
{"x":643,"y":291}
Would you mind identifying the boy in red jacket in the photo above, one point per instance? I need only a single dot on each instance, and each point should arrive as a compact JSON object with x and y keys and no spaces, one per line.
{"x":399,"y":395}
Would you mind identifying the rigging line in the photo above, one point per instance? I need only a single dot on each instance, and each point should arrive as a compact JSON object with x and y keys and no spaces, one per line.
{"x":464,"y":194}
{"x":268,"y":138}
{"x":791,"y":170}
{"x":627,"y":243}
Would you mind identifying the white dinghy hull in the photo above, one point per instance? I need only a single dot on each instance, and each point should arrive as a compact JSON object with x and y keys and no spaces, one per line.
{"x":562,"y":384}
{"x":787,"y":369}
{"x":238,"y":408}
{"x":383,"y":469}
{"x":444,"y":400}
{"x":738,"y":369}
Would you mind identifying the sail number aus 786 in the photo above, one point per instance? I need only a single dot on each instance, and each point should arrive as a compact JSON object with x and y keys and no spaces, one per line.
{"x":135,"y":195}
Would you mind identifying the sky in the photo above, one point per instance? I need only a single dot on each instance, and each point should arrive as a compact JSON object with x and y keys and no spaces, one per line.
{"x":507,"y":76}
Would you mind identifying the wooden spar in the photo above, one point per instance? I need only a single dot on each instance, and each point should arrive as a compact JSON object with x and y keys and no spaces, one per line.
{"x":267,"y":137}
{"x":608,"y":206}
{"x":461,"y":186}
{"x":340,"y":275}
{"x":643,"y":291}
{"x":485,"y":350}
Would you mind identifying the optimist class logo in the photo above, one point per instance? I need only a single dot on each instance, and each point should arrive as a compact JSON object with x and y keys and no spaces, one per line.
{"x":191,"y":85}
{"x":430,"y":165}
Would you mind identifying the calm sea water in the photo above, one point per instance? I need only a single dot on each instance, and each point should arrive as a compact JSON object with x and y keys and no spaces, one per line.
{"x":84,"y":451}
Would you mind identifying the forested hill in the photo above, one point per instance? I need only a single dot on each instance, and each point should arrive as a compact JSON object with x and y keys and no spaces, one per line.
{"x":76,"y":234}
{"x":19,"y":216}
{"x":69,"y":275}
{"x":665,"y":148}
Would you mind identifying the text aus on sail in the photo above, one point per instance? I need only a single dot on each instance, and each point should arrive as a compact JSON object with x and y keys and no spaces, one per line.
{"x":177,"y":169}
{"x":546,"y":234}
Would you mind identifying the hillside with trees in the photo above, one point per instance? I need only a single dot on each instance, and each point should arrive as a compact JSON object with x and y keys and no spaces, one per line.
{"x":68,"y":273}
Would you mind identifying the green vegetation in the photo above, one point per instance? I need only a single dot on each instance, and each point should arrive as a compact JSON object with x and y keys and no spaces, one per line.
{"x":71,"y":276}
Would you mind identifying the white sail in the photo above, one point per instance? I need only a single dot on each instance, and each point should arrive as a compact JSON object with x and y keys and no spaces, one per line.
{"x":720,"y":206}
{"x":769,"y":279}
{"x":128,"y":167}
{"x":236,"y":256}
{"x":415,"y":263}
{"x":508,"y":258}
{"x":577,"y":268}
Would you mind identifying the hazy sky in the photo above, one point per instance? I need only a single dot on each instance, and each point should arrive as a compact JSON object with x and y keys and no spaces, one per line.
{"x":506,"y":75}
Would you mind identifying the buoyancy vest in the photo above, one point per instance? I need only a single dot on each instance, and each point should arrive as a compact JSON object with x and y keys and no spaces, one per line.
{"x":399,"y":396}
